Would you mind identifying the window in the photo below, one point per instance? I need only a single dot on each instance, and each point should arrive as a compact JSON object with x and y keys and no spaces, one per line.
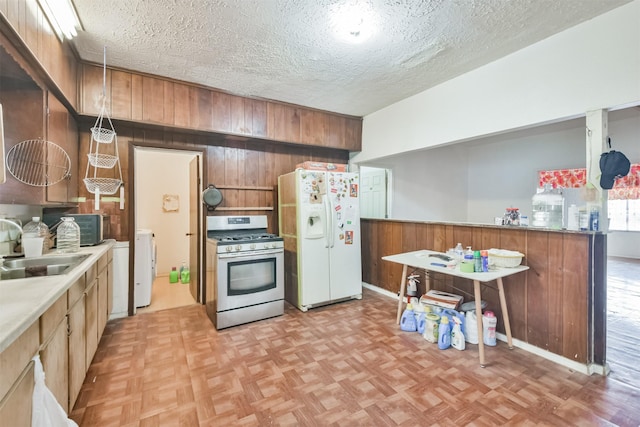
{"x":624,"y":214}
{"x":624,"y":197}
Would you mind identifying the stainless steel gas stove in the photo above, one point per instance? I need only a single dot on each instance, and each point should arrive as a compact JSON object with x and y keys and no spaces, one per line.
{"x":245,"y":270}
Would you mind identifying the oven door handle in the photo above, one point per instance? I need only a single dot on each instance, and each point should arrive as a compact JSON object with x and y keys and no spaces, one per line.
{"x":250,"y":254}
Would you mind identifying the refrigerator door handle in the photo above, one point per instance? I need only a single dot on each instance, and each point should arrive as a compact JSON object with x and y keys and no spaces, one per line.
{"x":331,"y":224}
{"x":327,"y":227}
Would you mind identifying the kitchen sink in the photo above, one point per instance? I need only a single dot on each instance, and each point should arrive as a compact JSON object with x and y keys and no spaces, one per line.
{"x":51,"y":265}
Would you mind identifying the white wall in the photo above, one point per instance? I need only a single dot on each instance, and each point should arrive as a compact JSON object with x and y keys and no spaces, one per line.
{"x":160,"y":172}
{"x":594,"y":65}
{"x":476,"y":181}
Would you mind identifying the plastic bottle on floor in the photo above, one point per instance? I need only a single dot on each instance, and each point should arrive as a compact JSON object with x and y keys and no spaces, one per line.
{"x":489,"y":322}
{"x":408,"y":320}
{"x":457,"y":337}
{"x":444,"y":334}
{"x":471,"y":330}
{"x":173,"y":276}
{"x":184,"y":274}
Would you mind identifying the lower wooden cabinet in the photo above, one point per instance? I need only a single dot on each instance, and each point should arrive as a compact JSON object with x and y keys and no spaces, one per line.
{"x":77,"y":345}
{"x":91,"y":323}
{"x":54,"y":355}
{"x":15,"y":407}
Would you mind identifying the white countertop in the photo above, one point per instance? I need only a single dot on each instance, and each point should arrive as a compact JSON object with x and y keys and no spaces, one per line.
{"x":23,"y":301}
{"x":421,"y":259}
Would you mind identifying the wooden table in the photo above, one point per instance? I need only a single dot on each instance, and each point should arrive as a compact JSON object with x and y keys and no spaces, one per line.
{"x":421,"y":259}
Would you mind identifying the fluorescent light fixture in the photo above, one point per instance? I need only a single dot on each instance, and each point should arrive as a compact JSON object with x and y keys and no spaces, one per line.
{"x":62,"y":16}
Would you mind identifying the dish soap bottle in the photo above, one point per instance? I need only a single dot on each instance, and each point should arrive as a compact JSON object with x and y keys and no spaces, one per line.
{"x":408,"y":320}
{"x":68,"y":236}
{"x":457,"y":337}
{"x":444,"y":334}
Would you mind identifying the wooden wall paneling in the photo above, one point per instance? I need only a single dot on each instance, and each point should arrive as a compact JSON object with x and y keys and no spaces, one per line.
{"x":538,"y":315}
{"x":336,"y":132}
{"x":240,"y":115}
{"x":395,"y":245}
{"x":555,"y":285}
{"x":575,"y":298}
{"x":32,"y":17}
{"x":365,"y":250}
{"x":169,"y":102}
{"x":353,"y":134}
{"x":231,"y":175}
{"x":221,"y":111}
{"x":92,"y":87}
{"x":152,"y":100}
{"x":121,"y":95}
{"x":283,"y":122}
{"x":258,"y":110}
{"x":440,"y":242}
{"x":137,"y":95}
{"x":598,"y":299}
{"x":515,"y":287}
{"x":181,"y":112}
{"x":311,"y":129}
{"x":57,"y":132}
{"x":201,"y":108}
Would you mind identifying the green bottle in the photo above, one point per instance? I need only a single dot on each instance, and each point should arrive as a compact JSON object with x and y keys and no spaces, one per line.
{"x":173,"y":276}
{"x":184,"y":275}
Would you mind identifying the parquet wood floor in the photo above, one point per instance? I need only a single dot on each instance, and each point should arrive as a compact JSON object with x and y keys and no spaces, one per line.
{"x":346,"y":364}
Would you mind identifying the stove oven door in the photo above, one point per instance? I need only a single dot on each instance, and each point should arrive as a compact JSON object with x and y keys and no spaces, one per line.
{"x":249,"y":279}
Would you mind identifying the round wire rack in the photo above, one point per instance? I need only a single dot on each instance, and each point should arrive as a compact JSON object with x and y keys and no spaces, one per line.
{"x":99,"y":160}
{"x":103,"y":185}
{"x":38,"y":163}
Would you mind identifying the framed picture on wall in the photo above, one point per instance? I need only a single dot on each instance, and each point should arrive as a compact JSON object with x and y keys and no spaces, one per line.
{"x":171,"y":203}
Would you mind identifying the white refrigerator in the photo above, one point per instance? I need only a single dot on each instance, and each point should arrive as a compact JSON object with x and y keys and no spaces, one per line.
{"x":320,"y":222}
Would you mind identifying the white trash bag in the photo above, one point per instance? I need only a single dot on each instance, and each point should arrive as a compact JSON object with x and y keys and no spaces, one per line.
{"x":45,"y":410}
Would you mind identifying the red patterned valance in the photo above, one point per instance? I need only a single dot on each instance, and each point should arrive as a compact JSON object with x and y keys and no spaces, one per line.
{"x":624,"y":188}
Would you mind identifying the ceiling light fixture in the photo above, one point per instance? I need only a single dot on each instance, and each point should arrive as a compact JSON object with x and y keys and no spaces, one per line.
{"x":62,"y":16}
{"x":354,"y":21}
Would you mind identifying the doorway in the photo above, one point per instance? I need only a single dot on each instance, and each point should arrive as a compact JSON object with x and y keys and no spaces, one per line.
{"x":165,"y":201}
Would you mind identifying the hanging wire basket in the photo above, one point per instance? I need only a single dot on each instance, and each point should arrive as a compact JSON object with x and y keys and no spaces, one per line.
{"x":102,"y":135}
{"x":104,"y":185}
{"x":105,"y":161}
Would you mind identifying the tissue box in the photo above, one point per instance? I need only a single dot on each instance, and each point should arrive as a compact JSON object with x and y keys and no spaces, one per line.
{"x":442,"y":299}
{"x":321,"y":166}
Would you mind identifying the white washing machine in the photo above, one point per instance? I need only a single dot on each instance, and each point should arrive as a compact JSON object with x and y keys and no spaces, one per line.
{"x":144,"y":267}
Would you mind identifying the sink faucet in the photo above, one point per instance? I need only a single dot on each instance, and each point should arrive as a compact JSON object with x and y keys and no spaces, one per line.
{"x":2,"y":254}
{"x":12,"y":223}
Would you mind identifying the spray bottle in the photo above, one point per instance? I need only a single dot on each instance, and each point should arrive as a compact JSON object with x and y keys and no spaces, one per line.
{"x":457,"y":337}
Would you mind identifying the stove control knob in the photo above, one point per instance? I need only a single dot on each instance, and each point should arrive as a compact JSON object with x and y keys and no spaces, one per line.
{"x":252,"y":246}
{"x":238,"y":247}
{"x":228,"y":248}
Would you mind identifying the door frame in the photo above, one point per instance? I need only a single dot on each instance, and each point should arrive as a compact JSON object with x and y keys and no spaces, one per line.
{"x":130,"y":185}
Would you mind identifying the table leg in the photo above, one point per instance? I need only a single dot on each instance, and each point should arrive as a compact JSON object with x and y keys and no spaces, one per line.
{"x":403,"y":283}
{"x":505,"y":313}
{"x":476,"y":292}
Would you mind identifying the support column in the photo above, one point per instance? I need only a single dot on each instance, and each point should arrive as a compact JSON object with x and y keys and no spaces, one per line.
{"x":597,"y":132}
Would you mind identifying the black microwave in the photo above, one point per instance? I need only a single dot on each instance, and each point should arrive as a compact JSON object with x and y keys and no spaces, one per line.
{"x":91,"y":226}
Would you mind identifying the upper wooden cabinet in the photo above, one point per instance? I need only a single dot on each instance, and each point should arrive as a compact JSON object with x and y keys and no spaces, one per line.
{"x":153,"y":100}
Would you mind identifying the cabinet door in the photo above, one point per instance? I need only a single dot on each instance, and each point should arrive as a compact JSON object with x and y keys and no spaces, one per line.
{"x":15,"y":407}
{"x":55,"y":361}
{"x":57,"y":132}
{"x":77,"y":350}
{"x":103,"y":293}
{"x":91,"y":323}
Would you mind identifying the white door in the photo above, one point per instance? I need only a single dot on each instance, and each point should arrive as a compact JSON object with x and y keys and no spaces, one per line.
{"x":373,"y":192}
{"x":344,"y":244}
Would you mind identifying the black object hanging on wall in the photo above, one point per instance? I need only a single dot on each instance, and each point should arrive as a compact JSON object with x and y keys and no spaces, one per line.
{"x":613,"y":165}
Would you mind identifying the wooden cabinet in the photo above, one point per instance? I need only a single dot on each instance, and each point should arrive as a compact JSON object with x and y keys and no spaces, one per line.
{"x":159,"y":101}
{"x":77,"y":338}
{"x":54,"y":350}
{"x":91,"y":315}
{"x":63,"y":131}
{"x":103,"y":293}
{"x":109,"y":283}
{"x":15,"y":407}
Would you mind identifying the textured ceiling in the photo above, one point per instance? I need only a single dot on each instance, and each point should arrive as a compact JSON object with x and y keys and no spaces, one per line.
{"x":287,"y":50}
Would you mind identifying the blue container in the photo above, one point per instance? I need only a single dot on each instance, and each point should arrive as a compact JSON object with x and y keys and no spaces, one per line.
{"x":408,"y":320}
{"x":444,"y":334}
{"x":421,"y":321}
